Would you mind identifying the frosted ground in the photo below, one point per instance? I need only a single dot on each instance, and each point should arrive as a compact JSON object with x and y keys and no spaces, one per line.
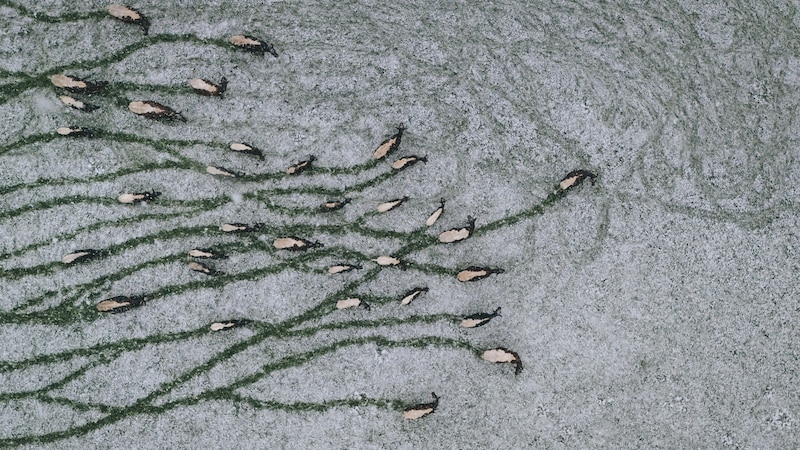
{"x":655,"y":309}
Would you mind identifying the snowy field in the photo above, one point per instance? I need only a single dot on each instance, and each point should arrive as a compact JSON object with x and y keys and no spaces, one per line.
{"x":655,"y":308}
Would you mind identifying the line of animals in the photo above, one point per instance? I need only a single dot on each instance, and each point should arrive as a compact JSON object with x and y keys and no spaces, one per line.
{"x":154,"y":110}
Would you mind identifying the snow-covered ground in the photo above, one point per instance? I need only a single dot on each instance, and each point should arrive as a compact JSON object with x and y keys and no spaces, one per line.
{"x":657,"y":308}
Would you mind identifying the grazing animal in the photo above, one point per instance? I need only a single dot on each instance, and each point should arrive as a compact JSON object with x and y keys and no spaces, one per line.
{"x":333,"y":205}
{"x":228,"y":324}
{"x":352,"y":302}
{"x":74,"y":103}
{"x":240,"y":147}
{"x":251,"y":44}
{"x":129,"y":15}
{"x":406,"y":161}
{"x":222,"y":172}
{"x":342,"y":268}
{"x":412,"y":295}
{"x":207,"y":88}
{"x":387,"y":261}
{"x":422,"y":409}
{"x":154,"y":110}
{"x":575,"y":178}
{"x":138,"y":197}
{"x":302,"y":166}
{"x":205,"y":253}
{"x":75,"y":132}
{"x":503,"y":355}
{"x":389,"y":145}
{"x":77,"y":85}
{"x":391,"y":204}
{"x":479,"y":319}
{"x":240,"y":227}
{"x":475,"y":273}
{"x":294,"y":243}
{"x":458,"y":234}
{"x":435,"y":215}
{"x":120,"y":304}
{"x":81,"y":256}
{"x":202,"y":268}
